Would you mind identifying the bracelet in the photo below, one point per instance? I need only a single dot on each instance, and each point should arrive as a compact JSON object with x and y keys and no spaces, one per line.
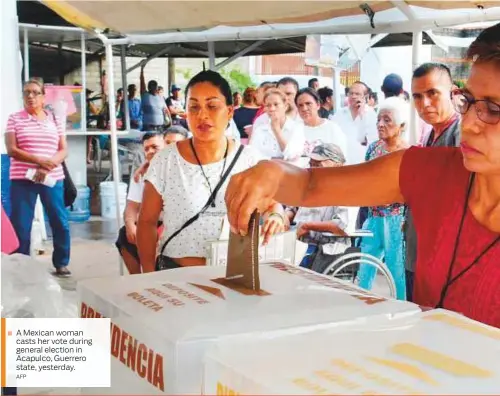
{"x":276,"y":214}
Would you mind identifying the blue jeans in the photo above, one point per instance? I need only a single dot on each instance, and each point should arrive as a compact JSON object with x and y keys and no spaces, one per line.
{"x":24,"y":194}
{"x":387,"y":243}
{"x":311,"y":249}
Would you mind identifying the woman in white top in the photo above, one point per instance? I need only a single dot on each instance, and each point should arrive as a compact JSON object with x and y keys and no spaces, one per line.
{"x":183,"y":176}
{"x":317,"y":130}
{"x":281,"y":137}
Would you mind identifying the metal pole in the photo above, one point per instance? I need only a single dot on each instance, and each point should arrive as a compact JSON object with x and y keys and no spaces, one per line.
{"x":114,"y":139}
{"x":416,"y":53}
{"x":239,"y":54}
{"x":336,"y":88}
{"x":83,"y":96}
{"x":51,"y":28}
{"x":26,"y":56}
{"x":123,"y":60}
{"x":211,"y":55}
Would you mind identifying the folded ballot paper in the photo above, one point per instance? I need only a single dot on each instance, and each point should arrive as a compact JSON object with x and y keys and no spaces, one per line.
{"x":433,"y":352}
{"x":163,"y":322}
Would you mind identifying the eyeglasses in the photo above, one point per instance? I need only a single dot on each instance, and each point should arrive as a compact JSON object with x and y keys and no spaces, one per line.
{"x":29,"y":93}
{"x":487,"y":111}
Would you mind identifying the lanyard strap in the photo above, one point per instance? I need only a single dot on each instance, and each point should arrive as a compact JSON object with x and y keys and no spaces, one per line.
{"x":201,"y":166}
{"x":210,"y":201}
{"x":449,"y":279}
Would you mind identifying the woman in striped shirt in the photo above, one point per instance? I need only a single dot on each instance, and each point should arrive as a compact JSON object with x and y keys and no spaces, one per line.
{"x":36,"y":144}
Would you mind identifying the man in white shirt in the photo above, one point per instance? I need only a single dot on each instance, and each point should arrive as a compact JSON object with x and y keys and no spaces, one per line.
{"x":289,"y":86}
{"x":359,"y":123}
{"x":126,"y":242}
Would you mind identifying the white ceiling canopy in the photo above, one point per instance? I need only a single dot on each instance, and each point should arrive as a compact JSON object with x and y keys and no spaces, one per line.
{"x":242,"y":19}
{"x":389,"y":21}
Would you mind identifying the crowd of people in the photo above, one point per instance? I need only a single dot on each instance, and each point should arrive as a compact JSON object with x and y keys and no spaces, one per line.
{"x":218,"y":157}
{"x":452,"y":219}
{"x":278,"y":120}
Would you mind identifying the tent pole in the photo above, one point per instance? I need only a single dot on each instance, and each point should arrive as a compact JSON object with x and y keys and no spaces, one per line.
{"x":114,"y":139}
{"x":123,"y":60}
{"x":336,"y":88}
{"x":243,"y":52}
{"x":32,"y":26}
{"x":83,"y":96}
{"x":26,"y":56}
{"x":416,"y":54}
{"x":151,"y":57}
{"x":211,"y":55}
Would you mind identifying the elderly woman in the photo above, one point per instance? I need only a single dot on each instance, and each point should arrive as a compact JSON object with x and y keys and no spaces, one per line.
{"x":281,"y":137}
{"x":385,"y":221}
{"x":36,"y":143}
{"x":188,"y":179}
{"x":453,"y":193}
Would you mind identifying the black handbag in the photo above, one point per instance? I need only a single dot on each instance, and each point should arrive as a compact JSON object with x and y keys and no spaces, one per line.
{"x":165,"y":262}
{"x":70,"y":191}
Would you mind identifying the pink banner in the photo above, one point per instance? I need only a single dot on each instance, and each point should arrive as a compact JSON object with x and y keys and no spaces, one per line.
{"x":55,"y":94}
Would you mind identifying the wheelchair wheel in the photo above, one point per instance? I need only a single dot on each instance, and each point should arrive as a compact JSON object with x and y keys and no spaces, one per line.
{"x":353,"y":260}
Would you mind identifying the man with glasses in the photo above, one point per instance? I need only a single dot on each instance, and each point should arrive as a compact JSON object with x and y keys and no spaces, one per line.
{"x":431,"y":90}
{"x":359,"y":123}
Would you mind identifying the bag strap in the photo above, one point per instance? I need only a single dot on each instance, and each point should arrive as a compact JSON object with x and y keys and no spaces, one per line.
{"x":57,"y":126}
{"x":209,"y":202}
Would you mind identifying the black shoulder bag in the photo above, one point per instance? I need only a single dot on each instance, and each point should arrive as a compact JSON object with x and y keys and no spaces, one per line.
{"x":69,"y":188}
{"x":164,"y":262}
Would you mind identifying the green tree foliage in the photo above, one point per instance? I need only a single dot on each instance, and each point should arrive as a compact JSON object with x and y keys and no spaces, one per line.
{"x":186,"y":73}
{"x":238,"y":80}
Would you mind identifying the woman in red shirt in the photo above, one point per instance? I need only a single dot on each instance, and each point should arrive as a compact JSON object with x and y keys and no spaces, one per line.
{"x":454,"y":194}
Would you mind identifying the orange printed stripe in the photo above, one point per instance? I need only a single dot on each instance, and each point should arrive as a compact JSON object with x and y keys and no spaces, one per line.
{"x":3,"y":346}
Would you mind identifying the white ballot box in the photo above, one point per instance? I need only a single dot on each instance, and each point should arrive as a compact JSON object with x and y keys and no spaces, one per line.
{"x":163,"y":322}
{"x":436,"y":352}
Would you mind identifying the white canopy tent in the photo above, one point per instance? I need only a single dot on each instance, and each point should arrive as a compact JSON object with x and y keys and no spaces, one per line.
{"x":394,"y":20}
{"x":145,"y":23}
{"x":139,"y":17}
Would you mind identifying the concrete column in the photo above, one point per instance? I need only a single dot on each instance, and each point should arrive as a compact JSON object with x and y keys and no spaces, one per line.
{"x":171,"y":74}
